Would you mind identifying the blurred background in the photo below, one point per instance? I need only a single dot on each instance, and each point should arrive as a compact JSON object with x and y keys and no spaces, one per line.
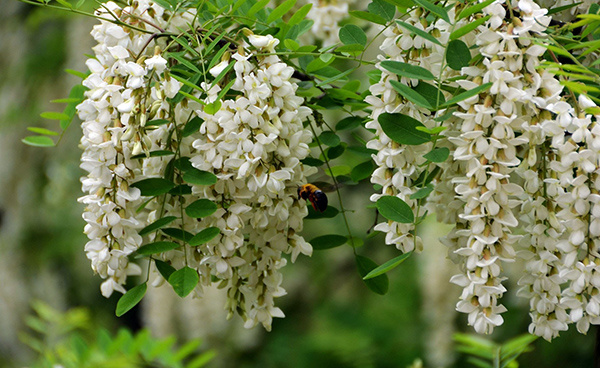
{"x":332,"y":319}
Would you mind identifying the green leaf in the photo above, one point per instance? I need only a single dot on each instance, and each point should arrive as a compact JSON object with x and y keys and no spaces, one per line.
{"x":311,"y":161}
{"x":299,"y":15}
{"x":184,"y":281}
{"x":437,"y":10}
{"x":191,"y":127}
{"x":338,"y":170}
{"x":77,"y":73}
{"x":383,"y":9}
{"x":418,"y":31}
{"x":291,"y":44}
{"x":379,"y":284}
{"x":179,"y":57}
{"x":395,"y":209}
{"x":407,"y":70}
{"x":362,"y":171}
{"x":178,"y":234}
{"x":204,"y":236}
{"x":164,"y":268}
{"x":468,"y":28}
{"x":354,"y":48}
{"x":401,"y":3}
{"x":38,"y":141}
{"x":328,"y":241}
{"x":373,"y":18}
{"x":422,"y":193}
{"x":432,"y":94}
{"x":153,"y":186}
{"x":329,"y":138}
{"x":458,"y":55}
{"x":256,"y":7}
{"x":52,"y":115}
{"x":319,"y":63}
{"x":130,"y":299}
{"x":438,"y":155}
{"x":212,"y":108}
{"x":199,"y":177}
{"x":161,"y":222}
{"x":558,"y":9}
{"x":77,"y":92}
{"x":351,"y":34}
{"x":470,"y":93}
{"x":201,"y":208}
{"x":66,"y":100}
{"x":388,"y":266}
{"x":474,"y":9}
{"x":411,"y":95}
{"x":180,"y":190}
{"x":330,"y":212}
{"x":281,"y":10}
{"x":350,"y":122}
{"x":335,"y":152}
{"x":402,"y":129}
{"x":43,"y":131}
{"x":183,"y":164}
{"x":157,"y":247}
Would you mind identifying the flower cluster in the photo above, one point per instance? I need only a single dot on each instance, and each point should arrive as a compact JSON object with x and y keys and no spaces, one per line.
{"x":253,"y":143}
{"x":521,"y":157}
{"x":327,"y":15}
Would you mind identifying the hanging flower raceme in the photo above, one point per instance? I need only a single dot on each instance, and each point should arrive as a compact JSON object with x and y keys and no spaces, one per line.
{"x":326,"y":15}
{"x":151,"y":154}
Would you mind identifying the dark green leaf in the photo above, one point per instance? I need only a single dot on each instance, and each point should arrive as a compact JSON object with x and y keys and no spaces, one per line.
{"x":558,"y":9}
{"x":423,"y":181}
{"x":402,"y":129}
{"x":157,"y":247}
{"x":395,"y":209}
{"x":379,"y":284}
{"x":328,"y":241}
{"x":383,"y":9}
{"x":199,"y":177}
{"x":153,"y":186}
{"x":256,"y":7}
{"x":438,"y":155}
{"x":335,"y":152}
{"x":319,"y":63}
{"x":281,"y":10}
{"x":130,"y":299}
{"x":164,"y":268}
{"x":161,"y":222}
{"x":401,"y":3}
{"x":351,"y":34}
{"x":468,"y":28}
{"x":183,"y":164}
{"x":422,"y":193}
{"x":437,"y":10}
{"x":184,"y":281}
{"x":432,"y":94}
{"x":330,"y":212}
{"x":38,"y":141}
{"x":373,"y":18}
{"x":362,"y":151}
{"x":407,"y":70}
{"x":350,"y":122}
{"x":201,"y":208}
{"x":419,"y":32}
{"x":178,"y":234}
{"x":362,"y":171}
{"x":182,"y":189}
{"x":387,"y":266}
{"x":192,"y":127}
{"x":205,"y":236}
{"x":458,"y":55}
{"x":470,"y":93}
{"x":310,"y":161}
{"x":329,"y":138}
{"x":411,"y":95}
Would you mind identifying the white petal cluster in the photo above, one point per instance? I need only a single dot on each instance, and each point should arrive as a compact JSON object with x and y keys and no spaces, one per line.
{"x":253,"y":144}
{"x":326,"y":15}
{"x":400,"y":166}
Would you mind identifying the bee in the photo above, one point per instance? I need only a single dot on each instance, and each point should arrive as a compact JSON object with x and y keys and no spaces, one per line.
{"x":317,"y":198}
